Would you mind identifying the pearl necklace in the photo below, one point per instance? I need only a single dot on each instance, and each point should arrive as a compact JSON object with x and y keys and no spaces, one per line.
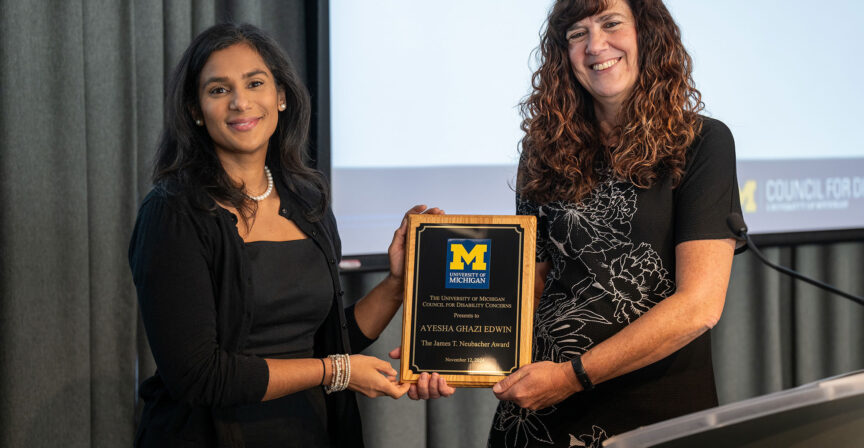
{"x":269,"y":187}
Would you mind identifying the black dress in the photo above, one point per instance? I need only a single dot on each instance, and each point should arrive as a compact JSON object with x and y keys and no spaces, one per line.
{"x":193,"y":276}
{"x":289,"y":307}
{"x":613,"y":258}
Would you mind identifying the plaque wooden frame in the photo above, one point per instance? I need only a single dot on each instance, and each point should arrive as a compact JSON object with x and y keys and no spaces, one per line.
{"x":526,"y":228}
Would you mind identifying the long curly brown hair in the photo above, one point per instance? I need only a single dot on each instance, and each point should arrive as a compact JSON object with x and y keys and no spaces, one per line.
{"x":564,"y":153}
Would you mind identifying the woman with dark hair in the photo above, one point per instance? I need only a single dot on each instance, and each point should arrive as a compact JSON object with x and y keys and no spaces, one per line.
{"x":631,"y":188}
{"x":234,"y":256}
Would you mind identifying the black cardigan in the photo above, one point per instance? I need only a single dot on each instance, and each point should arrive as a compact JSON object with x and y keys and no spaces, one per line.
{"x":194,"y":288}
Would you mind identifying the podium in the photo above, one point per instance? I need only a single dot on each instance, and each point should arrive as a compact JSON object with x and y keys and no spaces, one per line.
{"x":828,"y":412}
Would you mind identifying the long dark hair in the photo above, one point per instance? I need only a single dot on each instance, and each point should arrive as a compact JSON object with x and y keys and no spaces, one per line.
{"x":186,"y":159}
{"x":563,"y":151}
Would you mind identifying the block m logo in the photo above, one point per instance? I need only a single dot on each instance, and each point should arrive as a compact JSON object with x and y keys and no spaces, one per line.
{"x":468,"y":263}
{"x":474,"y":258}
{"x":748,"y":196}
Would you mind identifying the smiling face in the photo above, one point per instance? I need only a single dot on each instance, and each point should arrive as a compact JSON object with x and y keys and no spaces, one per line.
{"x":239,"y":100}
{"x":603,"y":54}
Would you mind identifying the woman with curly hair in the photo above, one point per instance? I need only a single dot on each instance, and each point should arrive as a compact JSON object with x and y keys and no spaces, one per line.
{"x":631,"y":188}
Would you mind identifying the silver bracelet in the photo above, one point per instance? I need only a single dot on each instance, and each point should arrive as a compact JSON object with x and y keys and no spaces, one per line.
{"x":337,"y":375}
{"x":341,"y":373}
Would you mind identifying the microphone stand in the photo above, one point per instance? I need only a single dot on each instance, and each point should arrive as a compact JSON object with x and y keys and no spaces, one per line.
{"x":742,"y":232}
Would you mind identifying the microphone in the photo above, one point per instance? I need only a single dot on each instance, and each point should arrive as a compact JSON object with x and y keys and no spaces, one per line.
{"x":739,"y":228}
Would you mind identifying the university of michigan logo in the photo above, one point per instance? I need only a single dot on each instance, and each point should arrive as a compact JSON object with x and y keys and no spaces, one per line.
{"x":468,"y":263}
{"x":748,"y":196}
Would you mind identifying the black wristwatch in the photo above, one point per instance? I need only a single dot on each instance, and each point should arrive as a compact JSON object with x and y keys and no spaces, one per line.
{"x":581,"y":375}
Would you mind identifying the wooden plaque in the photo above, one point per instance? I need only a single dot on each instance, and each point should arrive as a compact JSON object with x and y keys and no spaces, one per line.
{"x":469,"y":297}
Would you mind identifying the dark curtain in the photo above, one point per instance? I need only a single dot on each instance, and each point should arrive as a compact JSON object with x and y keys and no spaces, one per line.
{"x":778,"y":333}
{"x":81,"y":93}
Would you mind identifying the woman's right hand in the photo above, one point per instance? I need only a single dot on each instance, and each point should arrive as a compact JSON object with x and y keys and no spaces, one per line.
{"x":374,"y":377}
{"x":428,"y":386}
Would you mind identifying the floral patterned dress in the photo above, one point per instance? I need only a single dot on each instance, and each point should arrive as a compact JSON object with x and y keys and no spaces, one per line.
{"x":613,"y":258}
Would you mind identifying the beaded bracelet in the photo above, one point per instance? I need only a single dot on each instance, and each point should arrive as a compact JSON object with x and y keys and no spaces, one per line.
{"x":335,"y":376}
{"x":341,"y":364}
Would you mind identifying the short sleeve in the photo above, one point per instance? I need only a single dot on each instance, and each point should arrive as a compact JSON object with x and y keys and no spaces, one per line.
{"x":708,"y":192}
{"x":528,"y":207}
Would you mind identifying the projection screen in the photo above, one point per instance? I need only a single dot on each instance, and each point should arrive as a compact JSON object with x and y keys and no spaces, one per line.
{"x":424,"y":107}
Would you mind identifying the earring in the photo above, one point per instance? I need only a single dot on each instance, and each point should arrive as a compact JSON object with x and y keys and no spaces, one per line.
{"x":282,"y":106}
{"x":198,"y":122}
